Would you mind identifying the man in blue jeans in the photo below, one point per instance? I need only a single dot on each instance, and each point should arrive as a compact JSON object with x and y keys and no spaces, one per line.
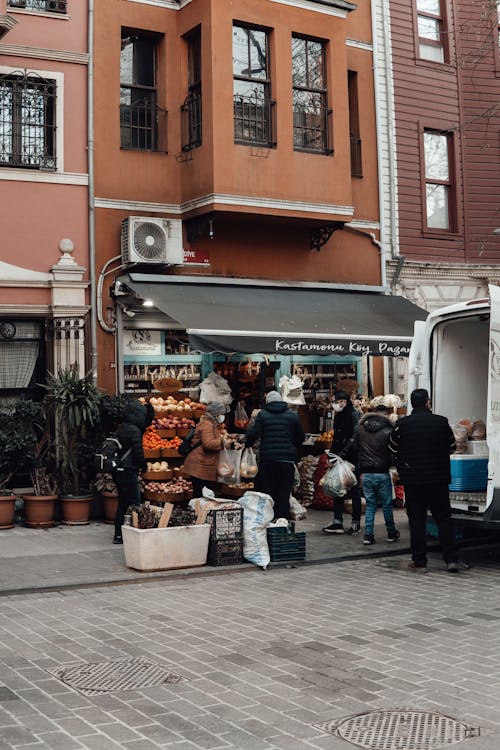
{"x":374,"y":459}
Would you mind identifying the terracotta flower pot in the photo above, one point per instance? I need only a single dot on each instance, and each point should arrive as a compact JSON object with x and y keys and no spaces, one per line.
{"x":7,"y":511}
{"x":39,"y":511}
{"x":110,"y":506}
{"x":75,"y":509}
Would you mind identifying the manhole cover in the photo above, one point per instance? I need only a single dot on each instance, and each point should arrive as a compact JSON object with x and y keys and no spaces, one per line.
{"x":400,"y":730}
{"x":107,"y":676}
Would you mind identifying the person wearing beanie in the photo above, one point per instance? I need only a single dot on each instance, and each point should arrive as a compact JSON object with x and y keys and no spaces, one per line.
{"x":345,"y":423}
{"x":280,"y":433}
{"x":201,"y":463}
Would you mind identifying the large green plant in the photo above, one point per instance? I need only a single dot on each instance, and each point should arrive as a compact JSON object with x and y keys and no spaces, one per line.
{"x":72,"y":404}
{"x":17,"y":440}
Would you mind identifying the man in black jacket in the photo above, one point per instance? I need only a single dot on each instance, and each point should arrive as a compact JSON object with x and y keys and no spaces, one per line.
{"x":371,"y":441}
{"x":129,"y":432}
{"x":281,"y":434}
{"x":421,"y":444}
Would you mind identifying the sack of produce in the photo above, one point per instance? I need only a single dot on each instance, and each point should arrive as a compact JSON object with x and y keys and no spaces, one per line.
{"x":478,"y":430}
{"x":339,"y":478}
{"x":258,"y":511}
{"x":248,"y":465}
{"x":241,"y":418}
{"x":461,"y":436}
{"x":228,"y":470}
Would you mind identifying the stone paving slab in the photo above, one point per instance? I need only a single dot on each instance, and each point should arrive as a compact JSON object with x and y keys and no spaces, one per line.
{"x":65,"y":556}
{"x":265,"y":657}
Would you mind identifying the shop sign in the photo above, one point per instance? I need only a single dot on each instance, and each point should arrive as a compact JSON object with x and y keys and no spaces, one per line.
{"x":142,"y":342}
{"x":196,"y":257}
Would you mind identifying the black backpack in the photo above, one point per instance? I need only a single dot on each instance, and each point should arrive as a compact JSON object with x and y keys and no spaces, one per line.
{"x":110,"y":455}
{"x":187,"y":444}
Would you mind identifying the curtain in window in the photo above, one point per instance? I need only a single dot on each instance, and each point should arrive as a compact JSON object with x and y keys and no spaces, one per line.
{"x":18,"y":358}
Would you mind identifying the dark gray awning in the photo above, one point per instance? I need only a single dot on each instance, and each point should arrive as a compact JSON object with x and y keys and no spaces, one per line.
{"x":232,"y":317}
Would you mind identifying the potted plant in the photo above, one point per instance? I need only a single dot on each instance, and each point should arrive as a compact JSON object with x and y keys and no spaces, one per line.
{"x":39,"y":505}
{"x":106,"y":487}
{"x":72,"y":405}
{"x":17,"y":441}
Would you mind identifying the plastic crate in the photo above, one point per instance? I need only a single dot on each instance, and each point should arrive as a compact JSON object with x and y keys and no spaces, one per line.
{"x":226,"y":524}
{"x":468,"y":473}
{"x":225,"y":551}
{"x":284,"y":545}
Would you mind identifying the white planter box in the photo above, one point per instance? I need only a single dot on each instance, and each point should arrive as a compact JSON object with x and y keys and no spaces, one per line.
{"x":163,"y":549}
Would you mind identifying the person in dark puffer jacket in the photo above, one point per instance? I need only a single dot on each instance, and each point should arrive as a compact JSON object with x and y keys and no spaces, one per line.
{"x":371,"y":442}
{"x":280,"y":433}
{"x":136,"y":419}
{"x":421,"y":445}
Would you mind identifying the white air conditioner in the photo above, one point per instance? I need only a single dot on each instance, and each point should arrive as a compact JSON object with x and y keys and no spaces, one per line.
{"x":150,"y":240}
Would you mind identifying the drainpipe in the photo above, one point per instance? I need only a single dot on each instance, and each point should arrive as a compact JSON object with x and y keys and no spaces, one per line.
{"x":91,"y":188}
{"x":378,"y":127}
{"x":391,"y":126}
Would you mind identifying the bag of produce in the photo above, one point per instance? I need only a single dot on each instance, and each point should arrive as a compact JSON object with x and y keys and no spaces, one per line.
{"x":228,"y":470}
{"x":478,"y":431}
{"x":461,"y":436}
{"x":241,"y":419}
{"x":339,"y":478}
{"x":258,"y":511}
{"x":248,"y":465}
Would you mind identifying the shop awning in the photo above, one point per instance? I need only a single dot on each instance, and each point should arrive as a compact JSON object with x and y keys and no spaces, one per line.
{"x":232,"y":317}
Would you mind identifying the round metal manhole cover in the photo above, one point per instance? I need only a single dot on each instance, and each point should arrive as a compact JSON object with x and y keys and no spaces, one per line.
{"x":400,"y":730}
{"x":109,"y":676}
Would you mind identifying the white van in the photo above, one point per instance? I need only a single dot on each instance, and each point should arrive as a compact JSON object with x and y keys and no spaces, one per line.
{"x":455,"y":355}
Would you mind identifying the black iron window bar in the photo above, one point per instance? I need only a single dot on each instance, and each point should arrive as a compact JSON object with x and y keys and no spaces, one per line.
{"x":254,"y":120}
{"x":49,"y":6}
{"x":143,"y":125}
{"x":191,"y":119}
{"x":356,"y":160}
{"x":27,"y":122}
{"x":311,"y":129}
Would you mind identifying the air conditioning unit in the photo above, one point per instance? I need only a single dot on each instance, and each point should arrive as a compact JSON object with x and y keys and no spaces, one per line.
{"x":151,"y":240}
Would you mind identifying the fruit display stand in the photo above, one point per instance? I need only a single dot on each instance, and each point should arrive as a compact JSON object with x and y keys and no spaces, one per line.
{"x":166,"y":548}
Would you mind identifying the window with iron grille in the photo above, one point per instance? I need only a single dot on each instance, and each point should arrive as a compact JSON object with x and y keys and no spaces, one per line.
{"x":49,"y":6}
{"x":252,"y":103}
{"x":27,"y":122}
{"x":191,"y":109}
{"x":143,"y":123}
{"x":430,"y":30}
{"x":439,"y":180}
{"x":311,"y":116}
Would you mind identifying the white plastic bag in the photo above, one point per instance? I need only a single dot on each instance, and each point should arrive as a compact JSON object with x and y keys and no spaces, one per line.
{"x":339,"y":478}
{"x":228,"y":470}
{"x":258,"y":512}
{"x":215,"y":388}
{"x":297,"y":511}
{"x":248,"y":465}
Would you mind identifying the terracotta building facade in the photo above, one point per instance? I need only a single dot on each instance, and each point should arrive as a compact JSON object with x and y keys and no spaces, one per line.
{"x":44,"y":262}
{"x":438,"y":88}
{"x":238,"y":139}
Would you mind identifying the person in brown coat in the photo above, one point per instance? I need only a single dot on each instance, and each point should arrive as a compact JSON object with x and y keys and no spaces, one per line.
{"x":201,"y":463}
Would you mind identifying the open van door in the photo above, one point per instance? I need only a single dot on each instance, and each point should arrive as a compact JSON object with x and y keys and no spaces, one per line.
{"x":417,"y":357}
{"x":492,"y":512}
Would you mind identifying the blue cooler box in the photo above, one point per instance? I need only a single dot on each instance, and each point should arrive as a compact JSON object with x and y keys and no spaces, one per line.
{"x":468,"y":473}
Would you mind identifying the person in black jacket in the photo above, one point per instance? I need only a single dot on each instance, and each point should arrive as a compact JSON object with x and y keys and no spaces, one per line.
{"x":421,"y":444}
{"x":129,"y":432}
{"x":280,"y":433}
{"x":371,"y":442}
{"x":344,"y":428}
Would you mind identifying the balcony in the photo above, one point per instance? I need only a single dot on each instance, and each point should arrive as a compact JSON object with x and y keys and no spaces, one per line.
{"x":47,"y":6}
{"x":356,"y":159}
{"x":143,"y":126}
{"x":254,"y":120}
{"x":311,"y":129}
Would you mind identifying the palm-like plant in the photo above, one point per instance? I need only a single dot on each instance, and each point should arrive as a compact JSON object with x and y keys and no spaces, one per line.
{"x":72,"y":405}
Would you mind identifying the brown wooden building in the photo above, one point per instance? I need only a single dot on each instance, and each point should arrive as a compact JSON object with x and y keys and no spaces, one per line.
{"x":240,"y":136}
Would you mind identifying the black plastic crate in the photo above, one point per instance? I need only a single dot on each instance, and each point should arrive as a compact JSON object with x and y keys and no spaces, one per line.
{"x":226,"y":524}
{"x":284,"y":545}
{"x":225,"y":551}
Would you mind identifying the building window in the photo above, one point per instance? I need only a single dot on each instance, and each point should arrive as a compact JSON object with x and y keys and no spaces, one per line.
{"x":430,"y":30}
{"x":438,"y":180}
{"x":310,"y":104}
{"x":354,"y":131}
{"x":48,"y":6}
{"x":142,"y":122}
{"x":253,"y":106}
{"x":27,"y":122}
{"x":191,"y":109}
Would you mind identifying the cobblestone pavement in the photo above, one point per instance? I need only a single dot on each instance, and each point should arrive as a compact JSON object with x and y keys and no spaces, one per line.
{"x":264,"y":656}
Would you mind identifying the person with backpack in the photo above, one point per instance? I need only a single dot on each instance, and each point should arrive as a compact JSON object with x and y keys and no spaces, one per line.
{"x":202,"y":460}
{"x":137,"y":417}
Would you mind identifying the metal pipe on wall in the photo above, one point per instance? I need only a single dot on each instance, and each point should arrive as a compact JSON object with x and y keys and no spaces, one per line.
{"x":91,"y":189}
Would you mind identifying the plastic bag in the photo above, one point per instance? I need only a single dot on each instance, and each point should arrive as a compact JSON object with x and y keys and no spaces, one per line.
{"x":248,"y":465}
{"x":339,"y":478}
{"x":478,"y":431}
{"x":241,"y":419}
{"x":297,"y":511}
{"x":461,"y":435}
{"x":258,"y":511}
{"x":228,"y":470}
